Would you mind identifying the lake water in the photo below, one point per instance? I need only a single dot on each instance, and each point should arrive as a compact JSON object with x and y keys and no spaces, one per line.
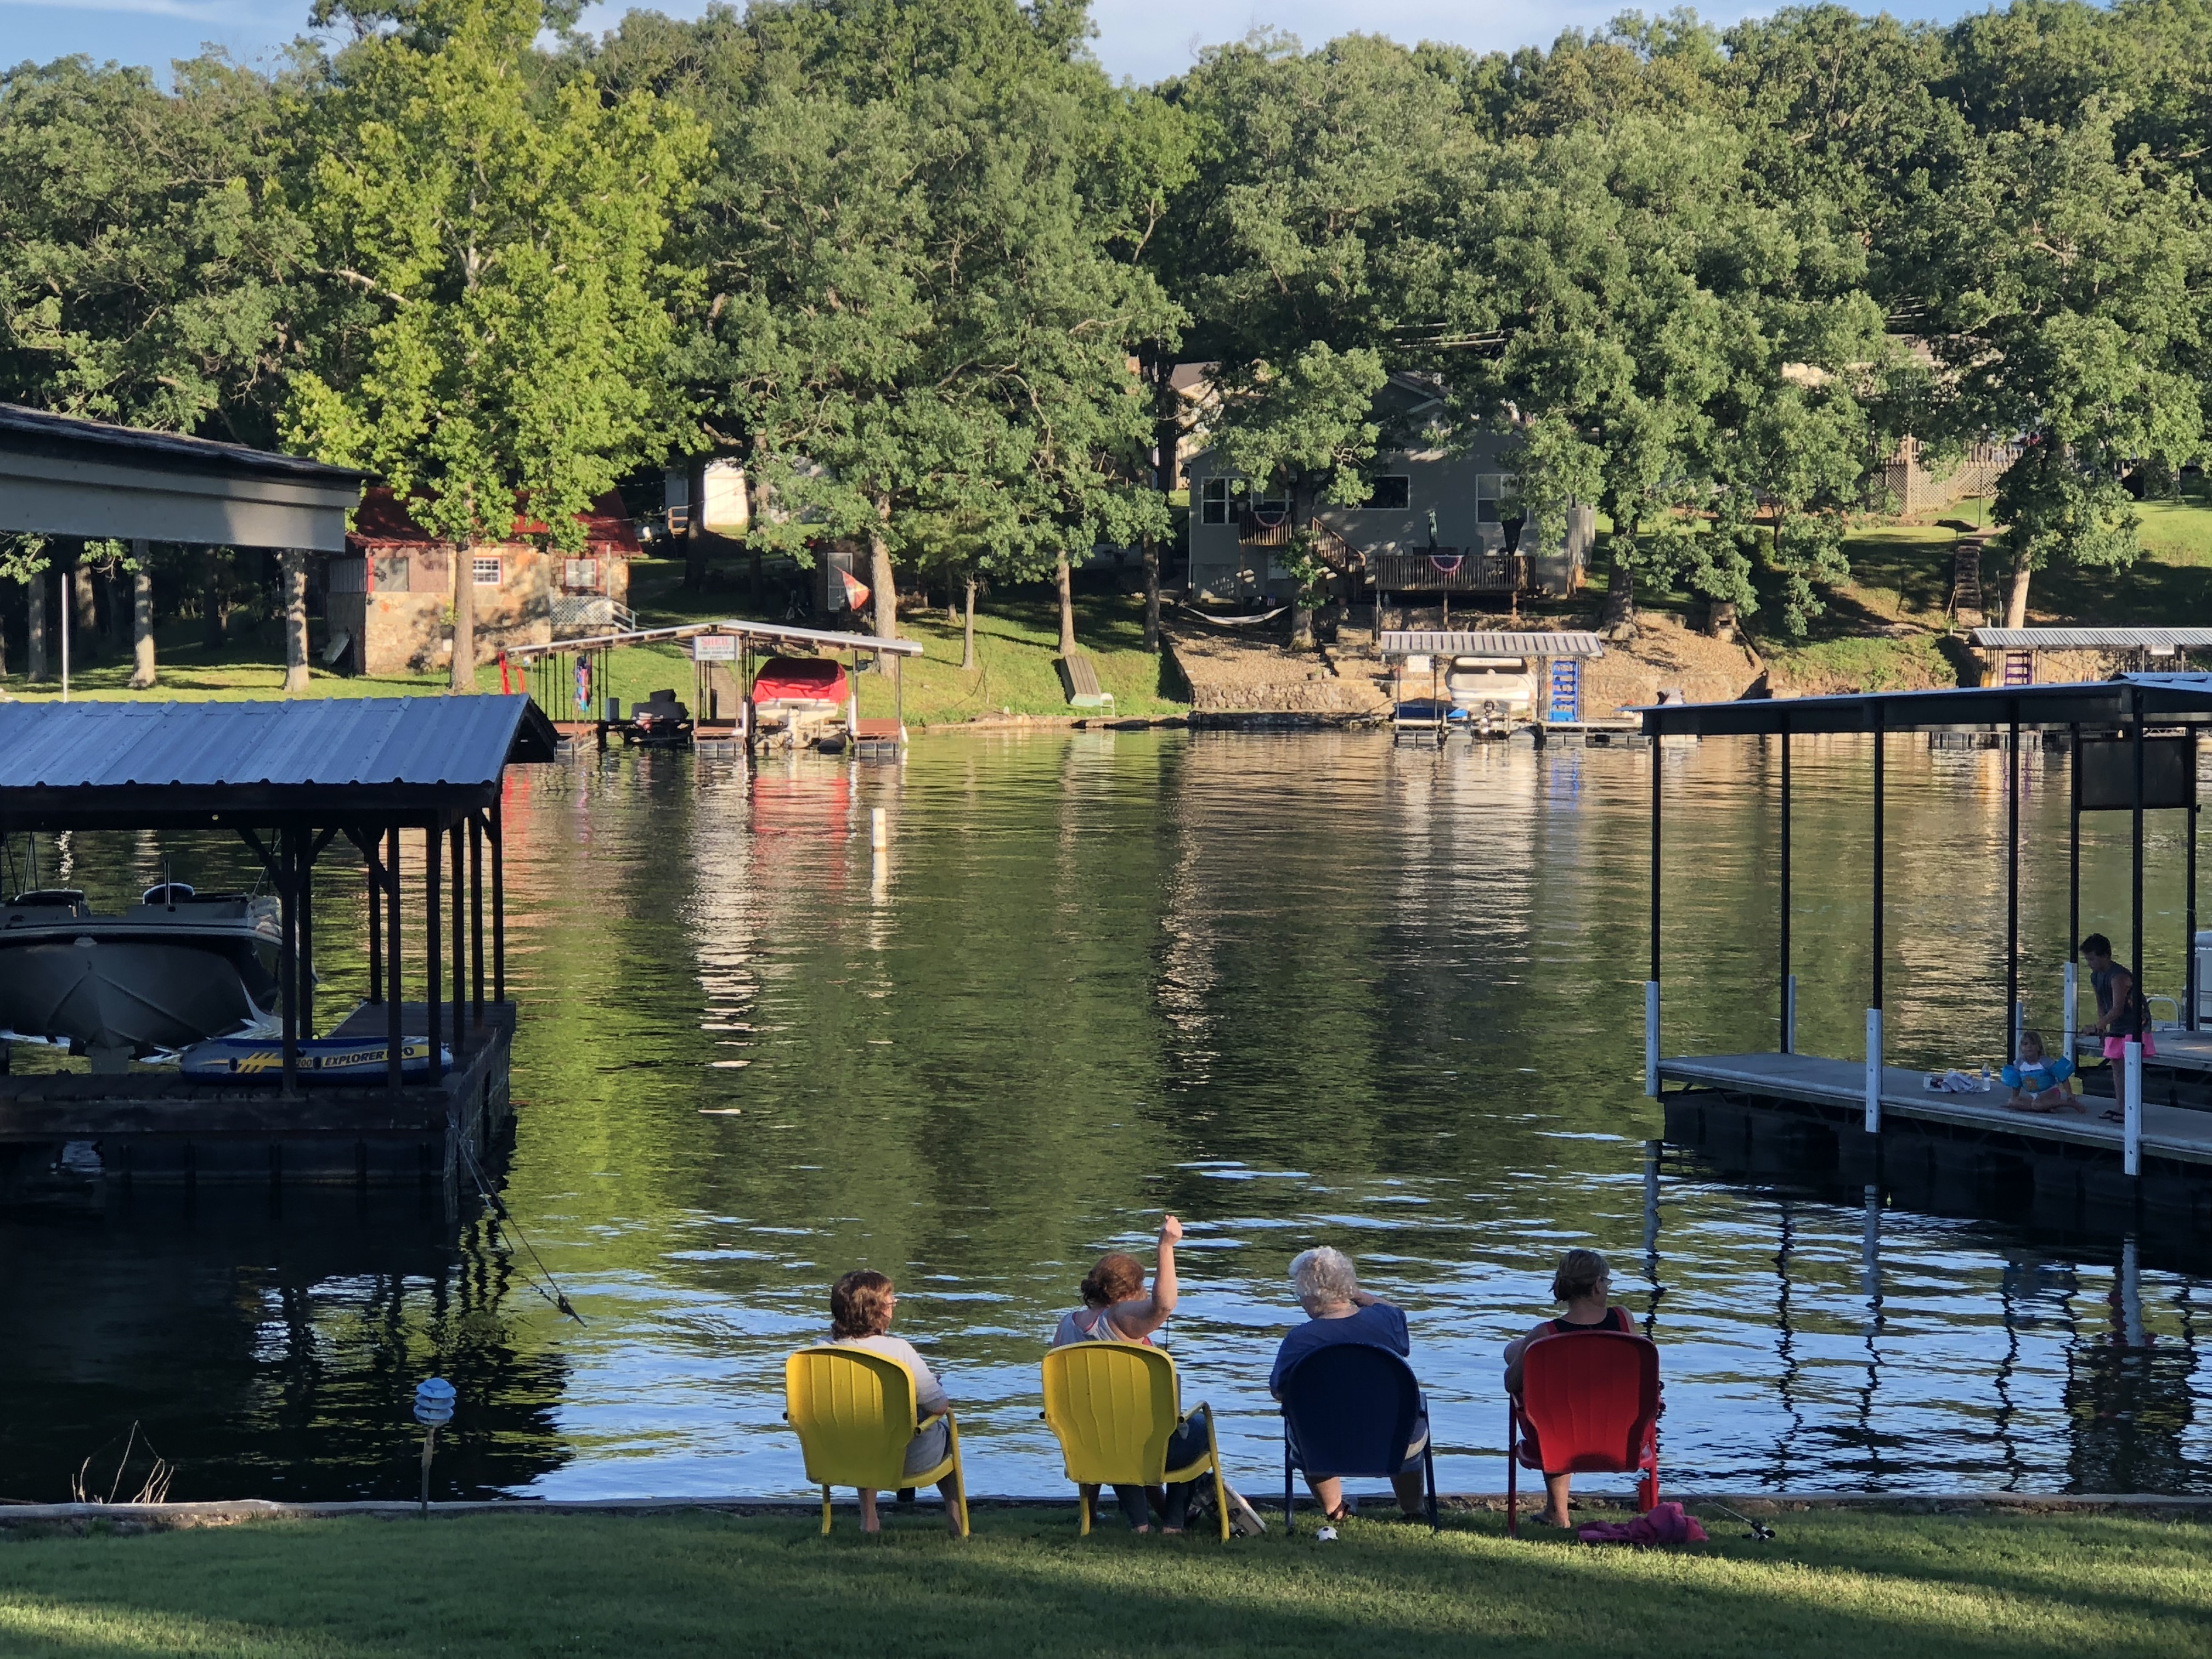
{"x":1297,"y":989}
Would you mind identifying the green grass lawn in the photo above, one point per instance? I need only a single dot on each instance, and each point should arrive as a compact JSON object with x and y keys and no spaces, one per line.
{"x":1017,"y":640}
{"x":1834,"y":1583}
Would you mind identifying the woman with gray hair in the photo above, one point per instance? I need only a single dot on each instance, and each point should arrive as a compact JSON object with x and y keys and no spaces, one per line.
{"x":1338,"y":1310}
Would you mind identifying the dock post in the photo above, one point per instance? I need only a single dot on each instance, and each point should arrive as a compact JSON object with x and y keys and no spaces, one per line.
{"x":1874,"y":1072}
{"x":288,"y":951}
{"x":2190,"y":978}
{"x":498,"y":904}
{"x":395,"y":1027}
{"x":1651,"y":1038}
{"x":476,"y":917}
{"x":375,"y":921}
{"x":2073,"y":990}
{"x":1874,"y":1011}
{"x":2131,"y":1111}
{"x":2012,"y":888}
{"x":1651,"y":985}
{"x":460,"y":935}
{"x":1789,"y":979}
{"x":433,"y":957}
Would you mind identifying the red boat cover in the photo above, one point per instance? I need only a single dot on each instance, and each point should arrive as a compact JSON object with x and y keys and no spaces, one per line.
{"x":799,"y":679}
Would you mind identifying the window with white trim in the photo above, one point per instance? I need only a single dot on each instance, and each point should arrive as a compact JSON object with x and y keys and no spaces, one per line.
{"x":485,"y":569}
{"x":1213,"y":501}
{"x":1492,"y":489}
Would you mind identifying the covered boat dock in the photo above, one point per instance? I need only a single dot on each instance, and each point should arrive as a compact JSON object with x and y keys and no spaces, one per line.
{"x":2132,"y":746}
{"x":289,"y":779}
{"x":550,"y":674}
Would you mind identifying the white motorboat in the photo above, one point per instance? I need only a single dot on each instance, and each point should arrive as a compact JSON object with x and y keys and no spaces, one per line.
{"x":178,"y":968}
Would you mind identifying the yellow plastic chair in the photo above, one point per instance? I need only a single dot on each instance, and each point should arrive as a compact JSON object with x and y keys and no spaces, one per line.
{"x":1114,"y":1406}
{"x":854,"y":1413}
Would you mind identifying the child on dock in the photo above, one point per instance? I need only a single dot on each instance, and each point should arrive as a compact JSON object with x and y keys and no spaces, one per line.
{"x":2037,"y":1081}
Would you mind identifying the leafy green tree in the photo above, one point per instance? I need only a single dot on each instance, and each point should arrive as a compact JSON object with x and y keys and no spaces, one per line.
{"x":1306,"y":248}
{"x":918,"y":327}
{"x":2066,"y":295}
{"x":507,"y":248}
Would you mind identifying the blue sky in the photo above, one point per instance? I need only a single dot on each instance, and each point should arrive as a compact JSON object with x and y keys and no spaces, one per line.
{"x":1145,"y":39}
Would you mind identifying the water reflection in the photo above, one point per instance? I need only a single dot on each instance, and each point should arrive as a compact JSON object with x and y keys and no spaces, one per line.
{"x":1296,"y":988}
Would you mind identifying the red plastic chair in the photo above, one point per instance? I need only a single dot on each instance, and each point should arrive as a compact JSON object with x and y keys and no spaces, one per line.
{"x":1592,"y":1400}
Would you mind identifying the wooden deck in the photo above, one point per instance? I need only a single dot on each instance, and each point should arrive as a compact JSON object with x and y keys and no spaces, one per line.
{"x":2168,"y":1132}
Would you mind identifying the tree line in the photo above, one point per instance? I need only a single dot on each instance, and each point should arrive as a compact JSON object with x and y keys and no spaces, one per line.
{"x":926,"y":269}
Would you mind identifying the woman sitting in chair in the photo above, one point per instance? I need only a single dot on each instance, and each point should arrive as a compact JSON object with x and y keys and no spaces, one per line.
{"x":1116,"y":1308}
{"x":861,"y":1307}
{"x":1338,"y":1310}
{"x":1584,"y":1284}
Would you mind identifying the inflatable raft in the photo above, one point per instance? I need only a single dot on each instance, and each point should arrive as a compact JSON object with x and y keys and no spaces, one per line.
{"x":321,"y":1060}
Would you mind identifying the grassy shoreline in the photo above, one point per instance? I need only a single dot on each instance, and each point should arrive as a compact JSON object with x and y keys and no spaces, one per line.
{"x":1834,"y":1583}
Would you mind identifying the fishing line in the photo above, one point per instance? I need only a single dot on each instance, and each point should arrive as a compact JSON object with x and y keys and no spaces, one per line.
{"x":1759,"y":1531}
{"x":557,"y":1297}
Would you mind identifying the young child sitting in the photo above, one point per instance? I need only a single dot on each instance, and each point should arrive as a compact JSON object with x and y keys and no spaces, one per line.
{"x":2038,"y":1082}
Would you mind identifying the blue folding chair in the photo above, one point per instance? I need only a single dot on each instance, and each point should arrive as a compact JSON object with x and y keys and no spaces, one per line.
{"x":1349,"y":1410}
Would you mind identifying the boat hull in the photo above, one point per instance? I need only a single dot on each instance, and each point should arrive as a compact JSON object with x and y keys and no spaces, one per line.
{"x":146,"y":983}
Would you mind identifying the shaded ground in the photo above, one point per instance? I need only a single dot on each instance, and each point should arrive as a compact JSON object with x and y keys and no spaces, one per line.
{"x":1833,"y":1584}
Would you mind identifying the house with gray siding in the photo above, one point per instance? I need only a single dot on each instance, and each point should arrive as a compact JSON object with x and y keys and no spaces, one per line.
{"x":1436,"y":519}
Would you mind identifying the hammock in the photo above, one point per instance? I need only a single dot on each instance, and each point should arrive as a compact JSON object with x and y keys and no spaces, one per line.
{"x":1236,"y":622}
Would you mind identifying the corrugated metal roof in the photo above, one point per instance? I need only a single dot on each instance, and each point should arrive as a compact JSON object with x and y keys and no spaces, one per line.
{"x":39,"y":427}
{"x":2093,"y":639}
{"x":1487,"y":642}
{"x":324,"y":742}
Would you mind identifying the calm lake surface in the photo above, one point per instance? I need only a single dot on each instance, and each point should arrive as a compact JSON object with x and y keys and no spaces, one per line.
{"x":1297,"y":989}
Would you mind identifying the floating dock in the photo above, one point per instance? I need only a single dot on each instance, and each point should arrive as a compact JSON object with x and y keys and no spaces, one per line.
{"x":2132,"y":747}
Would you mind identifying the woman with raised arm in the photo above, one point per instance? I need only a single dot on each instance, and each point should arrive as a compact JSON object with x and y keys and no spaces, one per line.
{"x":1117,"y":1308}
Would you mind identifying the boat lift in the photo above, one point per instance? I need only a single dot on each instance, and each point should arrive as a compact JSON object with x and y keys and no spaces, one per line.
{"x":1553,"y":660}
{"x":579,"y":703}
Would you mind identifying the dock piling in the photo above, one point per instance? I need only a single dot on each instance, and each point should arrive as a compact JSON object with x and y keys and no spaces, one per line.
{"x":1874,"y":1072}
{"x":2131,"y":1111}
{"x":1651,"y":1038}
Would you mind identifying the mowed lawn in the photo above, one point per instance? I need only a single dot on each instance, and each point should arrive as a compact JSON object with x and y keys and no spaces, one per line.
{"x":1016,"y":643}
{"x":1834,"y":1583}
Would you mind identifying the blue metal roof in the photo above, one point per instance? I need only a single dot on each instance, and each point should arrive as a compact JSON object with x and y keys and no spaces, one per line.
{"x":327,"y":742}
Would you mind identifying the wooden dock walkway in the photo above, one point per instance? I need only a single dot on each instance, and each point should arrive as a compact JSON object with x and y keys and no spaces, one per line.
{"x":2168,"y":1132}
{"x":157,"y":1126}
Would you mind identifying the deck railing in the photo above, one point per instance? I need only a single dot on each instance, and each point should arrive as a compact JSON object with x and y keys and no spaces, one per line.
{"x":1449,"y":570}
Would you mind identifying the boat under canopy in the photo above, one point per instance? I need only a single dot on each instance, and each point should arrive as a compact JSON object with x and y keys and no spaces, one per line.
{"x":178,"y":967}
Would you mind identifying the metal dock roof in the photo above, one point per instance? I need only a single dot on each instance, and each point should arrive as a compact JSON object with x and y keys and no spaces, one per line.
{"x":1487,"y":642}
{"x":2166,"y":699}
{"x":146,"y":764}
{"x":2094,"y":639}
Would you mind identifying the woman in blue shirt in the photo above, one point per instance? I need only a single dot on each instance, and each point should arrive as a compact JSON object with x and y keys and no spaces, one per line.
{"x":1338,"y":1310}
